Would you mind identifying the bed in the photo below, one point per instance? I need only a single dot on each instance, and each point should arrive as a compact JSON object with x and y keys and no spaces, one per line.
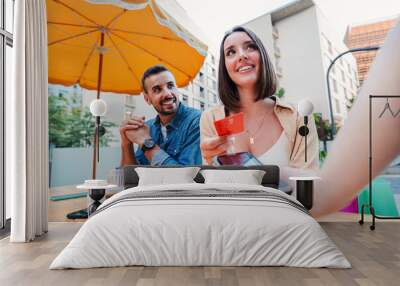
{"x":201,"y":224}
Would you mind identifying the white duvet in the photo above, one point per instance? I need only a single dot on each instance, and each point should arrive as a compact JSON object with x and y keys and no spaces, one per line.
{"x":183,"y":231}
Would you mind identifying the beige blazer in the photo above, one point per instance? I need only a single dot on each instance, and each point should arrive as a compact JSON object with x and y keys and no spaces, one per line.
{"x":290,"y":121}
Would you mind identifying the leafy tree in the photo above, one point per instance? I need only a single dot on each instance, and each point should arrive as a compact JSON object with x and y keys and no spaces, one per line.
{"x":73,"y":127}
{"x":81,"y":131}
{"x":58,"y":116}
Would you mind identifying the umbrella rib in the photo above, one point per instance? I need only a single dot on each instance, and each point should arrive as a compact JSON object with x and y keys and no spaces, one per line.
{"x":72,"y":37}
{"x":141,"y":48}
{"x":115,"y":18}
{"x":147,"y":35}
{"x":69,"y":24}
{"x":87,"y":60}
{"x":123,"y":58}
{"x":75,"y":11}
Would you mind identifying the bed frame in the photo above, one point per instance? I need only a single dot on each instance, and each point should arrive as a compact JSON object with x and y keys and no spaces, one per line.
{"x":270,"y":179}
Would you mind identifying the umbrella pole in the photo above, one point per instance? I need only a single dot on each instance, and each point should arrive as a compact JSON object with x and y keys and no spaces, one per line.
{"x":96,"y":139}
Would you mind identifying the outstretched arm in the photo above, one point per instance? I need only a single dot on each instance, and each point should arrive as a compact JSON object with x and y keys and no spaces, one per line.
{"x":346,"y":170}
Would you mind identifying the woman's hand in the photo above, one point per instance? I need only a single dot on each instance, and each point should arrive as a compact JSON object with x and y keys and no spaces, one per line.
{"x":214,"y":146}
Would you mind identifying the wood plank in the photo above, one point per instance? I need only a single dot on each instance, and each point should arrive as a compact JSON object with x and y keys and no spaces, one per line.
{"x":375,"y":257}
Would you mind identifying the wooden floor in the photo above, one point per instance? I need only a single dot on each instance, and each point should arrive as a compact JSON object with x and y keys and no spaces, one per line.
{"x":58,"y":209}
{"x":374,"y":255}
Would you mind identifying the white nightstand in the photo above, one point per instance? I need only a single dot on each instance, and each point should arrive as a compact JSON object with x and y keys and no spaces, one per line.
{"x":96,"y":192}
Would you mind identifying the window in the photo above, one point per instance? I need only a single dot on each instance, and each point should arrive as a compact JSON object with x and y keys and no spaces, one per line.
{"x":345,"y":92}
{"x":9,"y":13}
{"x":202,"y":107}
{"x":211,"y":84}
{"x":201,"y":91}
{"x":212,"y":97}
{"x":185,"y":99}
{"x":337,"y":105}
{"x":343,"y":76}
{"x":208,"y":69}
{"x":130,"y":102}
{"x":334,"y":85}
{"x":329,"y":47}
{"x":6,"y":45}
{"x":201,"y":77}
{"x":197,"y":104}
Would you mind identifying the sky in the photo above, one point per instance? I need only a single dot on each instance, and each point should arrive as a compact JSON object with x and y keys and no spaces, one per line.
{"x":214,"y":17}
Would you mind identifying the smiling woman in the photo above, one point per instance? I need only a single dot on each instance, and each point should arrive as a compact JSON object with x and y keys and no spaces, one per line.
{"x":246,"y":85}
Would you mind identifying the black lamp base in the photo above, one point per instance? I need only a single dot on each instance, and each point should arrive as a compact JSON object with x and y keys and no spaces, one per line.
{"x":96,"y":195}
{"x":304,"y":193}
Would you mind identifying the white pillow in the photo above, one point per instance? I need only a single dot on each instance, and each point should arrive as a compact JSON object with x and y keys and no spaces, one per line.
{"x":248,"y":177}
{"x":166,"y":176}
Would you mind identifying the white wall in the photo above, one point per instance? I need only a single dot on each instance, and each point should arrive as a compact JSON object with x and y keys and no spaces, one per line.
{"x":301,"y":62}
{"x":262,"y":26}
{"x":72,"y":166}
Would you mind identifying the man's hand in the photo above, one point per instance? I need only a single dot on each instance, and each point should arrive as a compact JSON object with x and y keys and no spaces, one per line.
{"x":138,"y":135}
{"x":133,"y":123}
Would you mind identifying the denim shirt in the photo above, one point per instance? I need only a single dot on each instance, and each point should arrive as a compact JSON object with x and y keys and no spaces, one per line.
{"x":182,"y":144}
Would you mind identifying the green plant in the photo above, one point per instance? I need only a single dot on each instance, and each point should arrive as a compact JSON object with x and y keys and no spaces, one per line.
{"x":324,"y":129}
{"x":322,"y":155}
{"x":280,"y":93}
{"x":350,"y":102}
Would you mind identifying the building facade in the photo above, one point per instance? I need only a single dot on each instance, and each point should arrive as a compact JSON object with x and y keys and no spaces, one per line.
{"x":202,"y":92}
{"x":301,"y":45}
{"x":372,"y":33}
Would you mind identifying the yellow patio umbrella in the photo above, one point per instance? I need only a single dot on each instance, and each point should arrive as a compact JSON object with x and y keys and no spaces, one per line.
{"x":106,"y":45}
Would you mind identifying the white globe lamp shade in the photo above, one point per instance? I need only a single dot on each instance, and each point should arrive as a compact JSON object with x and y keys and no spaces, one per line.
{"x":98,"y":107}
{"x":305,"y":107}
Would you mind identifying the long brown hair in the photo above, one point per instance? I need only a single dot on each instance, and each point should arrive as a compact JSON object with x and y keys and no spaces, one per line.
{"x":266,"y":85}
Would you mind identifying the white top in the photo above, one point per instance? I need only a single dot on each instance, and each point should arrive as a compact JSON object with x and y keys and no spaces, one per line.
{"x":278,"y":154}
{"x":164,"y":131}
